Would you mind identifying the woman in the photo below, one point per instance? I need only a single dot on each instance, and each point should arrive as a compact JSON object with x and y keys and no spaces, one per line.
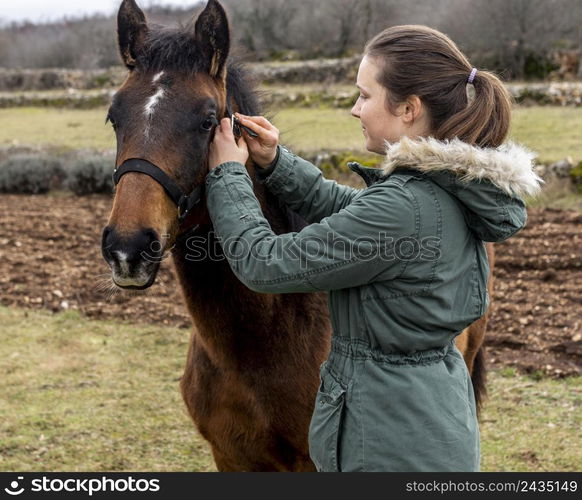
{"x":403,"y":260}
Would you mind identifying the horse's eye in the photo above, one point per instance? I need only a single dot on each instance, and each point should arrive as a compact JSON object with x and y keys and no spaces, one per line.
{"x":110,"y":120}
{"x":207,"y":124}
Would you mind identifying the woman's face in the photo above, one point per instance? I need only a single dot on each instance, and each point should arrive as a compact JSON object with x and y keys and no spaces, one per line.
{"x":378,"y":124}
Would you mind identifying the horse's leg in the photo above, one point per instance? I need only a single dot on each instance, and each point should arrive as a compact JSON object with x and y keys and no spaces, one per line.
{"x":225,"y":463}
{"x":304,"y":465}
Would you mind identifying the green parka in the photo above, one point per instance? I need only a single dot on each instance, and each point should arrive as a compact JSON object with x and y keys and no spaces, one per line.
{"x":406,"y":270}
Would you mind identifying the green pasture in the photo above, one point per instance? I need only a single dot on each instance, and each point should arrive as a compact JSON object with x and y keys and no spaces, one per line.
{"x":92,"y":395}
{"x":553,"y":132}
{"x":83,"y":395}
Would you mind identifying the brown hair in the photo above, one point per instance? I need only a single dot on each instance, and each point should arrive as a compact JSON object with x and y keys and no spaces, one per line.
{"x":418,"y":60}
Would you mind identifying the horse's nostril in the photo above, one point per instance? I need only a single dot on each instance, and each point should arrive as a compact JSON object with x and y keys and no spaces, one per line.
{"x":152,"y":241}
{"x":150,"y":236}
{"x":106,"y":233}
{"x":106,"y":243}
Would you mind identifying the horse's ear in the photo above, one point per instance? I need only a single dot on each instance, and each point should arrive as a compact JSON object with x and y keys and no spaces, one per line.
{"x":213,"y":37}
{"x":132,"y":29}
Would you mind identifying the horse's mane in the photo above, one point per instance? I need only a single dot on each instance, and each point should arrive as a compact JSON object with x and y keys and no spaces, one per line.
{"x":173,"y":48}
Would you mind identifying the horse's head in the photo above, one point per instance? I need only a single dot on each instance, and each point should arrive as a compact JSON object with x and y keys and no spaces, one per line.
{"x":164,"y":116}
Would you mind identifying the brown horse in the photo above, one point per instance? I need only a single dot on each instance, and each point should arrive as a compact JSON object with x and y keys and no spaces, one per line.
{"x":253,"y":363}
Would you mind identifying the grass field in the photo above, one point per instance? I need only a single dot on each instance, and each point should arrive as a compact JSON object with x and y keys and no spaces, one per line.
{"x":551,"y":131}
{"x":79,"y":395}
{"x":89,"y":395}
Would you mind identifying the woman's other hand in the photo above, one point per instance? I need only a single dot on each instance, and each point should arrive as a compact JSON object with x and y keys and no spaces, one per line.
{"x":224,"y":147}
{"x":263,"y":149}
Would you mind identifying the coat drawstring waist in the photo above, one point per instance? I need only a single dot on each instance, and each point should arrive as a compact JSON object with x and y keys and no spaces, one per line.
{"x":346,"y":352}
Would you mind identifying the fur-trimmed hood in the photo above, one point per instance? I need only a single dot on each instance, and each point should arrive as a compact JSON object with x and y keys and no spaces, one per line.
{"x":488,"y":183}
{"x":510,"y":167}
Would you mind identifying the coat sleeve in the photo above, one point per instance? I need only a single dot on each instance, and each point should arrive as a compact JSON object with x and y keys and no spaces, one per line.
{"x":302,"y":187}
{"x":353,"y":247}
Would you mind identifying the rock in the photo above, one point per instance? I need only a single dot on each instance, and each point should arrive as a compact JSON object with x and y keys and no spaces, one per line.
{"x":550,"y":93}
{"x":562,"y":168}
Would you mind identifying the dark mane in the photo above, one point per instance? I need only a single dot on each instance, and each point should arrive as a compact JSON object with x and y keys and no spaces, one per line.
{"x":171,"y":48}
{"x":174,"y":48}
{"x":242,"y":87}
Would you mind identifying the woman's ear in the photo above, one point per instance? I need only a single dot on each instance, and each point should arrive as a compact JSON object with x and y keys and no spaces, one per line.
{"x":413,"y":110}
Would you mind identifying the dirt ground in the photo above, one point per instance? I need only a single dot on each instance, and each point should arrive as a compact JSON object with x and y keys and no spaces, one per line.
{"x":50,"y":258}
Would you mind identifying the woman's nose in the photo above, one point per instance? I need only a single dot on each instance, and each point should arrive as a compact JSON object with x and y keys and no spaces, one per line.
{"x":356,"y":111}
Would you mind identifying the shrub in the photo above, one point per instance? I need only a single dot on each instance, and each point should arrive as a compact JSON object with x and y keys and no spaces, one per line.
{"x":538,"y":66}
{"x":576,"y":176}
{"x":30,"y":174}
{"x":91,"y":175}
{"x":330,"y":161}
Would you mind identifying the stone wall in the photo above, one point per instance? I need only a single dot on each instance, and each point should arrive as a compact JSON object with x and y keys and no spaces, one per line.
{"x":78,"y":89}
{"x":318,"y":71}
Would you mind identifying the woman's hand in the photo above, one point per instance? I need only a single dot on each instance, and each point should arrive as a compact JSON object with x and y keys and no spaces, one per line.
{"x":263,"y":149}
{"x":225,"y":148}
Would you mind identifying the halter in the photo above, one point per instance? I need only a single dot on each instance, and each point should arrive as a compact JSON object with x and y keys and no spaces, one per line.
{"x":184,"y":202}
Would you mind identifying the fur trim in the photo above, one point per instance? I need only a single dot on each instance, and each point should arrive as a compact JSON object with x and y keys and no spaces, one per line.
{"x":509,"y":167}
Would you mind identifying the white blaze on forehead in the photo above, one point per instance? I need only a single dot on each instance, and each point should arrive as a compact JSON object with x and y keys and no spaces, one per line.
{"x":154,"y":100}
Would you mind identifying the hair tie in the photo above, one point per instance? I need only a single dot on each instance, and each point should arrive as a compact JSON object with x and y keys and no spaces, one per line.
{"x":472,"y":75}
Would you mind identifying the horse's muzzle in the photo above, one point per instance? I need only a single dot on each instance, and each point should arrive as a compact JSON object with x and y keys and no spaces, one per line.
{"x":134,"y":260}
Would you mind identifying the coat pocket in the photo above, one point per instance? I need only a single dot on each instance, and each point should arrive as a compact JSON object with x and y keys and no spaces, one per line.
{"x":324,"y":429}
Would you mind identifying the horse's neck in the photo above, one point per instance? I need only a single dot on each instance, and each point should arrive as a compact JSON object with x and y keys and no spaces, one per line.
{"x":226,"y":313}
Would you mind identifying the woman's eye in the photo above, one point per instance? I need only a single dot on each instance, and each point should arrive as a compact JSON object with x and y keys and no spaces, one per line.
{"x":209,"y":123}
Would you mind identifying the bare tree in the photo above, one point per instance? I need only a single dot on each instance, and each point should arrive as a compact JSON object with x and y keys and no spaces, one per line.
{"x":264,"y":24}
{"x":498,"y":34}
{"x":505,"y":32}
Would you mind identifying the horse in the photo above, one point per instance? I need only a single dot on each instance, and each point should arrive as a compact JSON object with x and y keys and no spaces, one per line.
{"x":252,"y":368}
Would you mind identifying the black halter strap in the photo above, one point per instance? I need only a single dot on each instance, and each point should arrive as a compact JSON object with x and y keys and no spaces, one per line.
{"x":184,"y":202}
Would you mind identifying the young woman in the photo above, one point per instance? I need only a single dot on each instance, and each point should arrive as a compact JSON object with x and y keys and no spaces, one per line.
{"x":403,"y":260}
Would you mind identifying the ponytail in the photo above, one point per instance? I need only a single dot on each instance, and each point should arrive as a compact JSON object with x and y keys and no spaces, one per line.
{"x":485,"y":120}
